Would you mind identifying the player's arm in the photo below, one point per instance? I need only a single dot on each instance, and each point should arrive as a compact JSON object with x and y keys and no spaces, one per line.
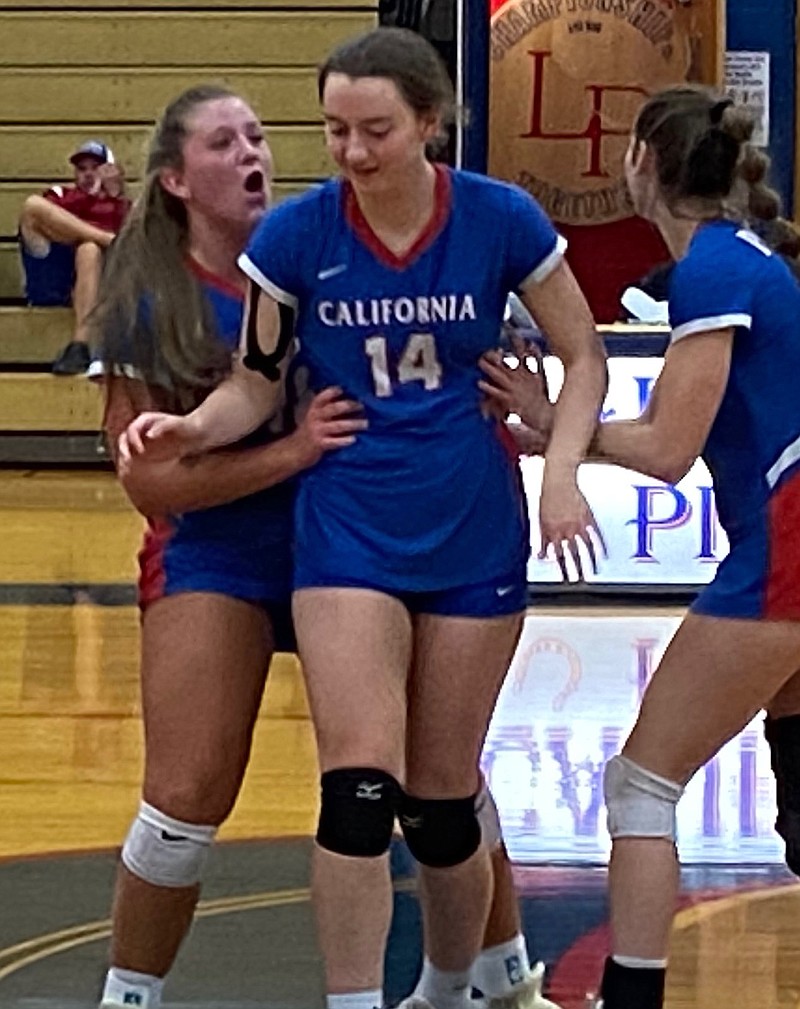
{"x":669,"y":436}
{"x":248,"y":397}
{"x":560,"y":309}
{"x":239,"y":404}
{"x":177,"y":485}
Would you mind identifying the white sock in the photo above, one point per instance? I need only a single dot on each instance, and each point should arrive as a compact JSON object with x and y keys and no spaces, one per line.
{"x":356,"y":1000}
{"x":500,"y":969}
{"x":444,"y":989}
{"x":637,"y":963}
{"x":123,"y":986}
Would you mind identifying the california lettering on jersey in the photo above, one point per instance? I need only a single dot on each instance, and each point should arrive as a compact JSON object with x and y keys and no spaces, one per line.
{"x":404,"y":311}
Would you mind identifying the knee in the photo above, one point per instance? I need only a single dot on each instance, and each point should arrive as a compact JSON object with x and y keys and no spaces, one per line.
{"x":357,"y":811}
{"x":202,"y":797}
{"x":639,"y":802}
{"x":440,"y":833}
{"x":164,"y":851}
{"x":88,"y":256}
{"x":31,"y":210}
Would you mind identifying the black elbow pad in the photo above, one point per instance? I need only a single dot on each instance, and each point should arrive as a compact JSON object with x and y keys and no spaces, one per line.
{"x":255,"y":359}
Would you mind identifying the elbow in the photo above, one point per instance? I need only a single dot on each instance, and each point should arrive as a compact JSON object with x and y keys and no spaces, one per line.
{"x":672,"y":467}
{"x":592,"y":363}
{"x":148,"y":505}
{"x":145,"y":491}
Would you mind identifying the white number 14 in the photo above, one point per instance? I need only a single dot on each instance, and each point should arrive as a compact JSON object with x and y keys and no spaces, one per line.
{"x":418,"y":363}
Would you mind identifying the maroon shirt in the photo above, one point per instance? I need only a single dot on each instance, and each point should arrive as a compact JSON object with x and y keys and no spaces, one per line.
{"x":103,"y":211}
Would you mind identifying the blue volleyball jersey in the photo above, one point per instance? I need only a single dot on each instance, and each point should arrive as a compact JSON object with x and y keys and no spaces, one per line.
{"x":426,"y":498}
{"x":261,"y":519}
{"x":241,"y":549}
{"x":729,"y":278}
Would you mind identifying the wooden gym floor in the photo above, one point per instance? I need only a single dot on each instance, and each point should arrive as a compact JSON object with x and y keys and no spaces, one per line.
{"x":70,"y":759}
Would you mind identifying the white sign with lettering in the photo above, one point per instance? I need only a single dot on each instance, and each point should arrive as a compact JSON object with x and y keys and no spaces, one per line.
{"x":656,"y":534}
{"x":747,"y":82}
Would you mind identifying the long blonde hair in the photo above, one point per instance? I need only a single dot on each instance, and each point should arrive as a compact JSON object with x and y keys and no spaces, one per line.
{"x":152,"y":315}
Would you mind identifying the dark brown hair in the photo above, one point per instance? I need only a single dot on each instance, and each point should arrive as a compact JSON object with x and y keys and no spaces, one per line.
{"x":402,"y":56}
{"x":151,"y":312}
{"x":701,"y":141}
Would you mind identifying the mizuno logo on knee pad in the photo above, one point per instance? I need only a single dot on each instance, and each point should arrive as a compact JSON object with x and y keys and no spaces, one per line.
{"x":357,"y":812}
{"x":440,"y":833}
{"x":373,"y":792}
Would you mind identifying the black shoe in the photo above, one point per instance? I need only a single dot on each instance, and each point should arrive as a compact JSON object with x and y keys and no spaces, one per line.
{"x":74,"y":359}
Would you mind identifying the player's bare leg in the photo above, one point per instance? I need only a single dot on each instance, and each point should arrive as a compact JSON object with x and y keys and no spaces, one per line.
{"x":714,"y":678}
{"x":355,"y":648}
{"x":204,"y":663}
{"x":503,"y":973}
{"x":447,"y":728}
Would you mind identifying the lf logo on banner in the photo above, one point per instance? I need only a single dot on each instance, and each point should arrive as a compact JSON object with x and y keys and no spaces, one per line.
{"x":567,"y":79}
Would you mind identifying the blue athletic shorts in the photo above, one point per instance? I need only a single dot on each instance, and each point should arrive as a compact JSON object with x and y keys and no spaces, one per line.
{"x":497,"y":597}
{"x":259,"y":574}
{"x":49,"y":279}
{"x":760,"y":577}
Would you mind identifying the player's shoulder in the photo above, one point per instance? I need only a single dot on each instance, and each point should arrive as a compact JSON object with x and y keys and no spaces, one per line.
{"x":470,"y":186}
{"x":724,"y":252}
{"x":312,"y":205}
{"x":729,"y":243}
{"x":498,"y":208}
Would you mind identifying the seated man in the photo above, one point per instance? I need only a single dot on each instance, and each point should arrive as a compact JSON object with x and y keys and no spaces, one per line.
{"x":63,"y":235}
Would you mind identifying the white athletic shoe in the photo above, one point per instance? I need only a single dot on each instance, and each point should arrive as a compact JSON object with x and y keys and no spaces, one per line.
{"x":527,"y":995}
{"x":415,"y":1001}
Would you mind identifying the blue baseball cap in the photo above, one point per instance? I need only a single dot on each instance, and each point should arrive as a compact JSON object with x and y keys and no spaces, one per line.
{"x":93,"y":149}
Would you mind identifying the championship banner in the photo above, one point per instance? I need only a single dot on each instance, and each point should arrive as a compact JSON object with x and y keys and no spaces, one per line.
{"x":567,"y":78}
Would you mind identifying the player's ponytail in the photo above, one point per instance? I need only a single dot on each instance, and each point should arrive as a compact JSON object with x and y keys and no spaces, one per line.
{"x":151,"y":317}
{"x":706,"y":162}
{"x":708,"y":166}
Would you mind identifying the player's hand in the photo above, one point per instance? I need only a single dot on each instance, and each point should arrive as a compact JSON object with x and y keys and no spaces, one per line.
{"x":331,"y":422}
{"x":111,"y":178}
{"x":159,"y":436}
{"x":567,"y":524}
{"x":527,"y":440}
{"x":522,"y":389}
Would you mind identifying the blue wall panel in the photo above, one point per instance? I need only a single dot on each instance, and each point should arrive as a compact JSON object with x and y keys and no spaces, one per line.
{"x":770,"y":26}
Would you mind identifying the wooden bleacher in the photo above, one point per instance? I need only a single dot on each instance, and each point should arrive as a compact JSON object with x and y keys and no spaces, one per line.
{"x":104,"y":68}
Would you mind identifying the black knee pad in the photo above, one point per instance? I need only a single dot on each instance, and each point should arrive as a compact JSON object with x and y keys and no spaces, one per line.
{"x":783,"y":736}
{"x":357,"y":814}
{"x":440,"y":833}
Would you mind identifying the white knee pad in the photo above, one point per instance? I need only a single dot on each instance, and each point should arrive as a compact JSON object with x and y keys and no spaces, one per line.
{"x":164,"y":851}
{"x":488,"y":818}
{"x":639,"y":803}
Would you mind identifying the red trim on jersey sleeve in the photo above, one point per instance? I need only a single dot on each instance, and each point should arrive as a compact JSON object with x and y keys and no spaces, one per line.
{"x":214,"y":280}
{"x":442,"y":204}
{"x":783,"y":577}
{"x":509,"y":443}
{"x":152,"y":578}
